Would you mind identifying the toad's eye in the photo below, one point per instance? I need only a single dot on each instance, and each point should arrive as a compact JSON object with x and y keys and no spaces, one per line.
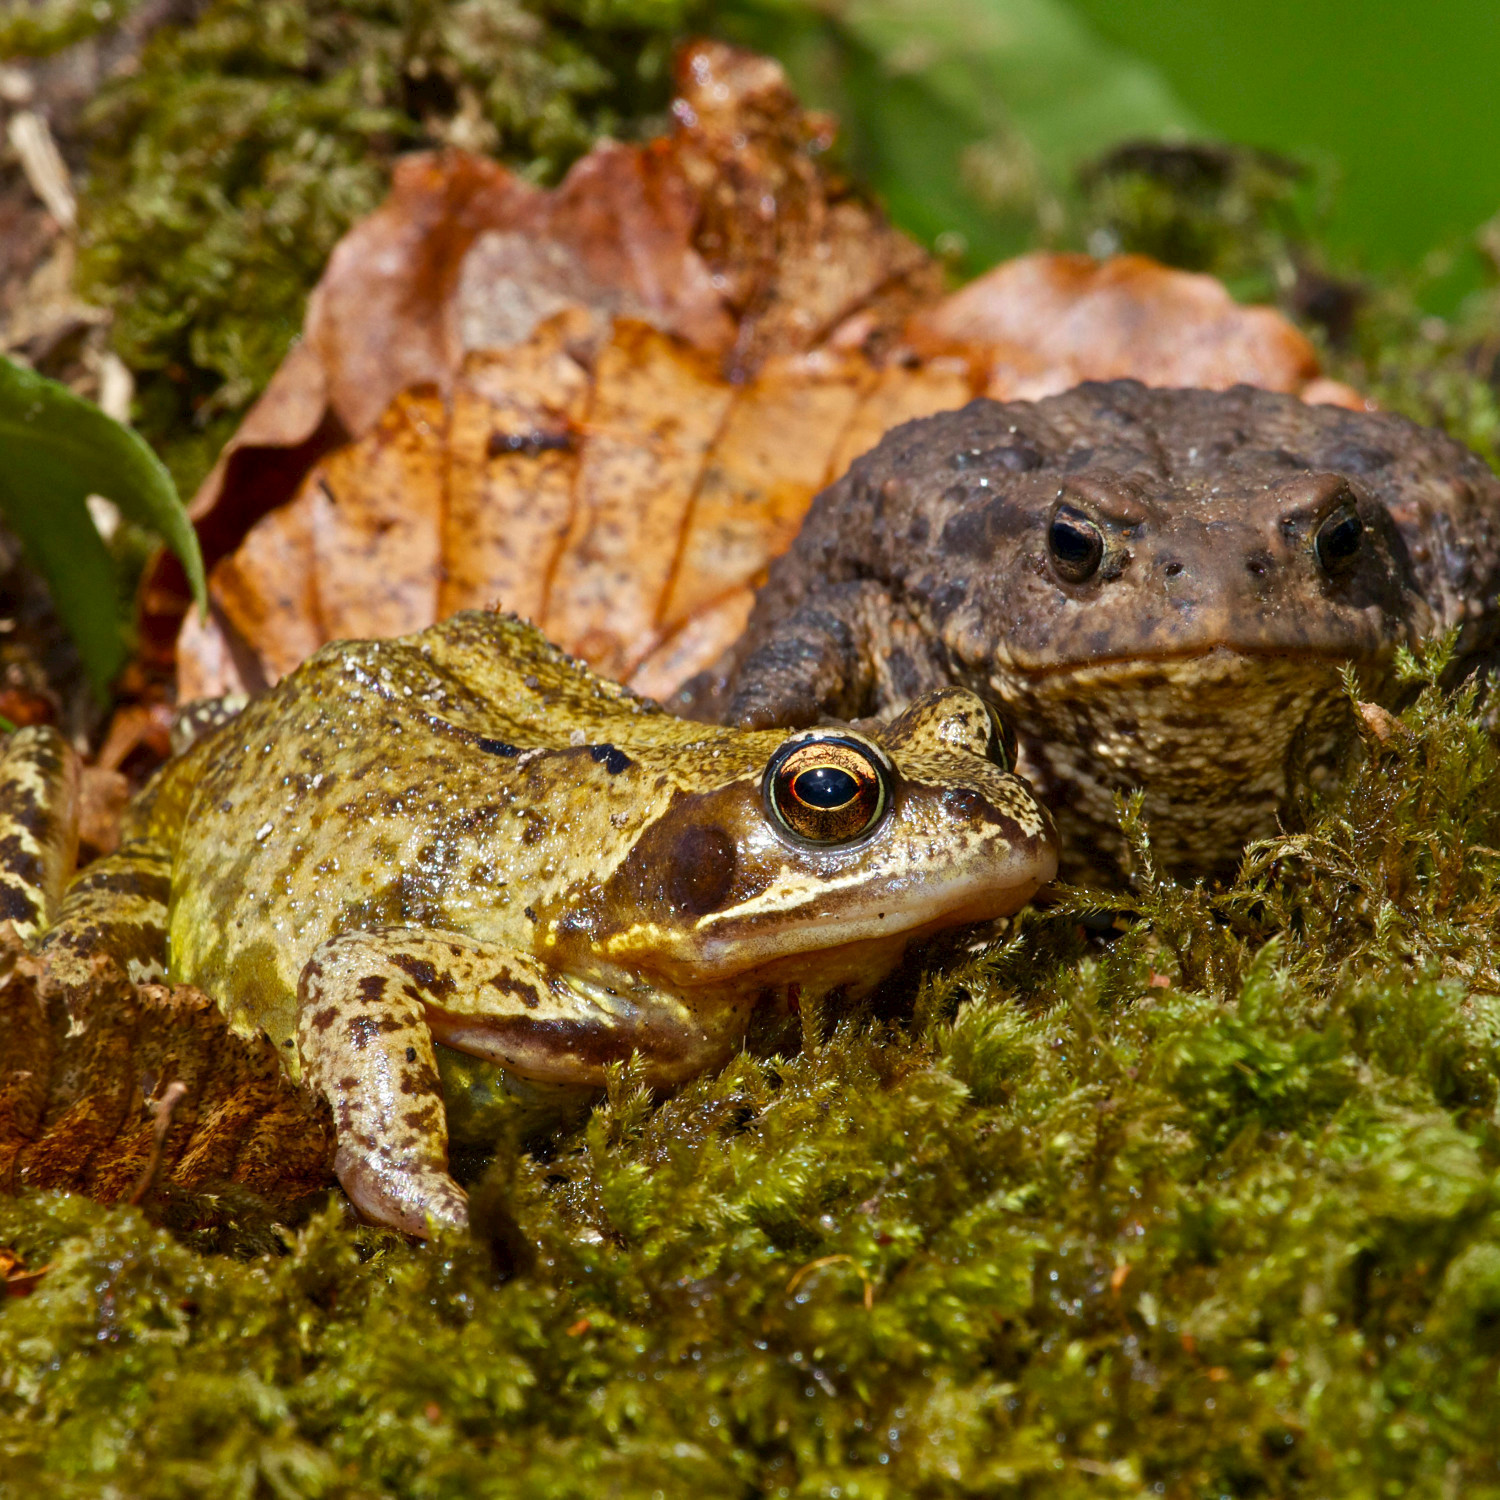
{"x":827,"y":791}
{"x":1338,"y":539}
{"x":1076,"y":544}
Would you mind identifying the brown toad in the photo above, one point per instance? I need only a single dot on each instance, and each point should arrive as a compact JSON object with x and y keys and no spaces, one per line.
{"x":1159,"y":587}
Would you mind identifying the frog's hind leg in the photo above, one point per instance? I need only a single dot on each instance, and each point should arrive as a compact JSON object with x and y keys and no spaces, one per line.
{"x":118,"y":905}
{"x":38,"y":826}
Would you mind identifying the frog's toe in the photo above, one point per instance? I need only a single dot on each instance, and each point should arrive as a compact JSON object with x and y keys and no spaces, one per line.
{"x":413,"y":1200}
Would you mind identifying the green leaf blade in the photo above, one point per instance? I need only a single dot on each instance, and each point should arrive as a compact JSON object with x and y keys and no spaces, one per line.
{"x":57,"y":449}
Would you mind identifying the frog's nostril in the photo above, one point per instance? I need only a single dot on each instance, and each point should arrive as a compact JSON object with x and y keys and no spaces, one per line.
{"x":1258,"y":565}
{"x":1172,"y":569}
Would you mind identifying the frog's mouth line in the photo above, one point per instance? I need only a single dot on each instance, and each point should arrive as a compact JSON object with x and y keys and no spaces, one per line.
{"x":818,"y":935}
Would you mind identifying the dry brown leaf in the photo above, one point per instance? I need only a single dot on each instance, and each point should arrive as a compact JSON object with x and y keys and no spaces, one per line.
{"x":1041,"y":323}
{"x":512,"y":448}
{"x":16,"y":1277}
{"x":656,"y":411}
{"x":465,"y":256}
{"x":612,"y":404}
{"x":777,"y":444}
{"x":78,"y":1094}
{"x":102,"y":795}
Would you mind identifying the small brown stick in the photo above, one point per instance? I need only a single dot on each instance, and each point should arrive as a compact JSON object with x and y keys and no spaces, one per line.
{"x":163,"y":1109}
{"x":829,"y":1260}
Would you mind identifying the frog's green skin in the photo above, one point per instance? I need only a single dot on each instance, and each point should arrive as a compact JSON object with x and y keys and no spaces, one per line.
{"x":462,"y":837}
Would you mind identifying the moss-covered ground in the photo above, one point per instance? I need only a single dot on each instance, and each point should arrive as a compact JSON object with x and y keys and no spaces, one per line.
{"x":1208,"y":1210}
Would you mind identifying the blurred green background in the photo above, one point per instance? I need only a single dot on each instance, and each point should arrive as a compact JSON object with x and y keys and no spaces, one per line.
{"x":1400,"y":100}
{"x":1390,"y":106}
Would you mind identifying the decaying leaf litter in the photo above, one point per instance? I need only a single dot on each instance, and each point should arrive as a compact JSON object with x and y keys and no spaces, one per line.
{"x":1207,"y":1212}
{"x":608,"y":406}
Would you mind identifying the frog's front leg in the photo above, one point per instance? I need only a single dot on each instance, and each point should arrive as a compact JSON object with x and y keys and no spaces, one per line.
{"x":371,"y":1005}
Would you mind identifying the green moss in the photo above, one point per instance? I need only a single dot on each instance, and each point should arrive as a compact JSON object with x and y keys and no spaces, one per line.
{"x":1439,"y":370}
{"x":1210,"y":1210}
{"x":1240,"y":214}
{"x":226,"y":167}
{"x":38,"y":30}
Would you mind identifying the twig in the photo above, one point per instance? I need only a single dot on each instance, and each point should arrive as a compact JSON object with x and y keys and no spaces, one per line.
{"x":831,"y":1260}
{"x":163,"y":1109}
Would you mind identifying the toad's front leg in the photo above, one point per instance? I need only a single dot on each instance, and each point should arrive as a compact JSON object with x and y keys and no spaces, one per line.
{"x":371,"y":1005}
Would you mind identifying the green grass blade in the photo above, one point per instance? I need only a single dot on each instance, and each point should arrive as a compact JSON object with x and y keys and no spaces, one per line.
{"x":60,"y":540}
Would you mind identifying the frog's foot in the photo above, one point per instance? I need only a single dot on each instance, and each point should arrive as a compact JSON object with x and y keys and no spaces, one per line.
{"x":398,"y":1193}
{"x":371,"y":1003}
{"x":366,"y":1046}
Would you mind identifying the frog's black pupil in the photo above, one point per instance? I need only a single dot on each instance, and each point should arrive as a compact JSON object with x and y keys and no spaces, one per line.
{"x":825,"y":787}
{"x":1339,"y":538}
{"x":1076,"y":544}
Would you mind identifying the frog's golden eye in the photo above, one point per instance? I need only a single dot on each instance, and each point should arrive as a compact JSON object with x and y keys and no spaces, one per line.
{"x":828,"y":791}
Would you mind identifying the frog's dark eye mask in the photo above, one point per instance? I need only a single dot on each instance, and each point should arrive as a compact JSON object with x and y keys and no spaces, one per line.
{"x":826,"y":789}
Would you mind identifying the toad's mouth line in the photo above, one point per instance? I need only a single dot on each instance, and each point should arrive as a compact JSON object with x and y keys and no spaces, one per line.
{"x":1141,"y":662}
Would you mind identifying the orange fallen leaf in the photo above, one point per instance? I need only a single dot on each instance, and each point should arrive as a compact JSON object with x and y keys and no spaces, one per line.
{"x":465,"y":256}
{"x":1042,"y":323}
